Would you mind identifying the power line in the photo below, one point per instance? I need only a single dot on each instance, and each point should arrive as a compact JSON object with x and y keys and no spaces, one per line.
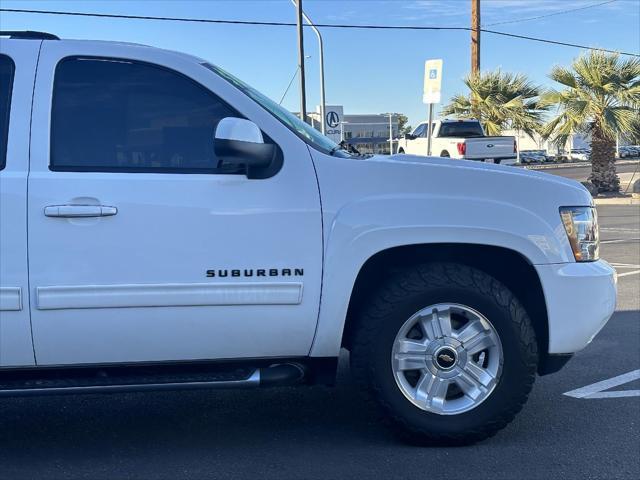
{"x":554,"y":42}
{"x":561,"y":12}
{"x":230,"y":22}
{"x":319,"y":25}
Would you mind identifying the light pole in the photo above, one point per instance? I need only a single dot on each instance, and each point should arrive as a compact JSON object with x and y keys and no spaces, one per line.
{"x":303,"y":93}
{"x":390,"y":132}
{"x":321,"y":53}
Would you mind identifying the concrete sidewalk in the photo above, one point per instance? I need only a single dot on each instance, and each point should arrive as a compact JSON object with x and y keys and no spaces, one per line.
{"x":626,"y":200}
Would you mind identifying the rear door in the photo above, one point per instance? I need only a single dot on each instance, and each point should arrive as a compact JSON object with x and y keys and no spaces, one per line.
{"x":143,"y":245}
{"x":17,"y":71}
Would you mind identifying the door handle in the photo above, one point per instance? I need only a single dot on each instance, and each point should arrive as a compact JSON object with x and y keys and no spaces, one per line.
{"x":79,"y":211}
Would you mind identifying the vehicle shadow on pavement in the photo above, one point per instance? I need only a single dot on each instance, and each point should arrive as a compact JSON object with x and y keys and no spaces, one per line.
{"x":223,"y":423}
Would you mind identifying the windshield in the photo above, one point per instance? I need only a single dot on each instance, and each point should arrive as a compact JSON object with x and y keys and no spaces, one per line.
{"x":461,"y":129}
{"x":305,"y":131}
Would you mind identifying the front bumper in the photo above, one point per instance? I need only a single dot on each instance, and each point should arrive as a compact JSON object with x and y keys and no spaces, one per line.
{"x":580,"y":299}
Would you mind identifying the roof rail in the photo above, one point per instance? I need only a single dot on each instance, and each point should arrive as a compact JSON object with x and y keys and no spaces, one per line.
{"x":28,"y":35}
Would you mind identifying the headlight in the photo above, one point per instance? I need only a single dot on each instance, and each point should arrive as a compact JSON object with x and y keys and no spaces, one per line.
{"x":581,"y":225}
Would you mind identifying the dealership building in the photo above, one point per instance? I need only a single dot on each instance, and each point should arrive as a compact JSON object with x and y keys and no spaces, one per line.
{"x":368,"y":132}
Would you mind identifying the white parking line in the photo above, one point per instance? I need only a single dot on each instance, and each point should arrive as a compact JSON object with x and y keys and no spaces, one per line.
{"x":628,"y":273}
{"x":621,"y":240}
{"x":623,"y":265}
{"x":595,"y":390}
{"x":616,"y":394}
{"x":616,"y":229}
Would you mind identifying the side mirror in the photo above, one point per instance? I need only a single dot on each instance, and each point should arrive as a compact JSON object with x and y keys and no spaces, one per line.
{"x":240,"y":142}
{"x":408,"y":136}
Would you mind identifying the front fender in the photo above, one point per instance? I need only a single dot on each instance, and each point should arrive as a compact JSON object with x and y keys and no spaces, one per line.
{"x":363,"y":228}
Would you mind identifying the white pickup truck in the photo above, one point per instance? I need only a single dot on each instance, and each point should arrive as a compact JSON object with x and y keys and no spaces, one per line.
{"x":163,"y":225}
{"x":460,"y":139}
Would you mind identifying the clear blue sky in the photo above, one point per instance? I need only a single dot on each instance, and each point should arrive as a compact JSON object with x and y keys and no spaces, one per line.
{"x":366,"y":71}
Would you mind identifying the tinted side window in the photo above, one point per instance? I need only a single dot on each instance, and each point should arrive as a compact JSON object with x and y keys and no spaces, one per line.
{"x":420,"y":130}
{"x":116,"y":115}
{"x":7,"y":69}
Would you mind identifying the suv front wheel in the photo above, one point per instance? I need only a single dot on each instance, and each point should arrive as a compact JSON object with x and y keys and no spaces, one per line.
{"x":447,"y":351}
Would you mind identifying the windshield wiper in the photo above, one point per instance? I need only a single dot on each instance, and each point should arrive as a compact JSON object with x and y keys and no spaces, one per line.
{"x":334,"y":150}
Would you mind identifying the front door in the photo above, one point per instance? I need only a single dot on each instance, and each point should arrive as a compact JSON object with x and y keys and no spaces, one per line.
{"x":419,"y":144}
{"x":143,"y":245}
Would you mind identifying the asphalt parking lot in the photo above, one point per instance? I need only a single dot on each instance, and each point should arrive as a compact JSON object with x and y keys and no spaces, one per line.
{"x":328,"y":433}
{"x":581,"y":173}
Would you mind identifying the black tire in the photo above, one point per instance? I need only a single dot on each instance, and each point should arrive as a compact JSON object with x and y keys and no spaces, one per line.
{"x":413,"y":289}
{"x":401,"y":151}
{"x":445,"y":154}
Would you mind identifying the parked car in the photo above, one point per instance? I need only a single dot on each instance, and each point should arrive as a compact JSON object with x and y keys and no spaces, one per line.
{"x":524,"y":157}
{"x":532,"y":156}
{"x":544,"y":157}
{"x":163,"y":225}
{"x":580,"y":154}
{"x":624,"y":152}
{"x":460,"y":139}
{"x":634,"y":151}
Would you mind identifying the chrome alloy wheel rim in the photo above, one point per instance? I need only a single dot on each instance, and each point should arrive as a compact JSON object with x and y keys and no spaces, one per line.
{"x":447,"y":359}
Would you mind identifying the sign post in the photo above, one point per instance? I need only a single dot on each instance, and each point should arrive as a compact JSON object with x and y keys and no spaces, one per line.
{"x":431,"y":92}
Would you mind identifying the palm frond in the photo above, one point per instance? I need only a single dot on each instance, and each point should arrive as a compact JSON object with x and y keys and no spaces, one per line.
{"x":499,"y":100}
{"x":602,"y":95}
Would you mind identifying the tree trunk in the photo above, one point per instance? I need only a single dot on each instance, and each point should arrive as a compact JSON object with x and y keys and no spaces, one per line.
{"x":603,"y":167}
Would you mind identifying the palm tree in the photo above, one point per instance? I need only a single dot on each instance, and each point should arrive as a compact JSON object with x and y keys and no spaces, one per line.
{"x":602,"y":99}
{"x":499,"y":100}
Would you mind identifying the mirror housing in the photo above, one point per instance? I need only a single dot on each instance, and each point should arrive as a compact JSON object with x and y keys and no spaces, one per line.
{"x":240,"y":142}
{"x":408,"y":136}
{"x":239,"y":129}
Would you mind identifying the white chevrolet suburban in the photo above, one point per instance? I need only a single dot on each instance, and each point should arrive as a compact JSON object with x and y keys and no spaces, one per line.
{"x":164,"y":225}
{"x":460,"y":139}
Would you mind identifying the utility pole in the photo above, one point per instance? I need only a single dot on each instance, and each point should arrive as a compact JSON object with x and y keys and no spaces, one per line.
{"x":475,"y":36}
{"x":303,"y":96}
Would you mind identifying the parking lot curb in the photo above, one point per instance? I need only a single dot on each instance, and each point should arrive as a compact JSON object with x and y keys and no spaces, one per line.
{"x":574,"y":165}
{"x":617,"y":201}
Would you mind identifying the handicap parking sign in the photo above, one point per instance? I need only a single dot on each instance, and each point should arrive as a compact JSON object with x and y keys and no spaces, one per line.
{"x":432,"y":81}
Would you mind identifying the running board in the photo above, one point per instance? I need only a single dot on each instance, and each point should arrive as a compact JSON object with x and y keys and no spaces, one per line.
{"x":100,"y":381}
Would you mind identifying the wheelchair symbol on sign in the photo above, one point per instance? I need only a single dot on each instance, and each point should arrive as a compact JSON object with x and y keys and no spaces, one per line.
{"x":433,"y":74}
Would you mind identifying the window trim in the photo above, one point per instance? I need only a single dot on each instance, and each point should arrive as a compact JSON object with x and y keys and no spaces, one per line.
{"x":4,"y":136}
{"x":268,"y":172}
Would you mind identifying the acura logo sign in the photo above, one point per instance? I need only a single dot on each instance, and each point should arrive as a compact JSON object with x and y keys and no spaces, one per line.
{"x":333,"y":119}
